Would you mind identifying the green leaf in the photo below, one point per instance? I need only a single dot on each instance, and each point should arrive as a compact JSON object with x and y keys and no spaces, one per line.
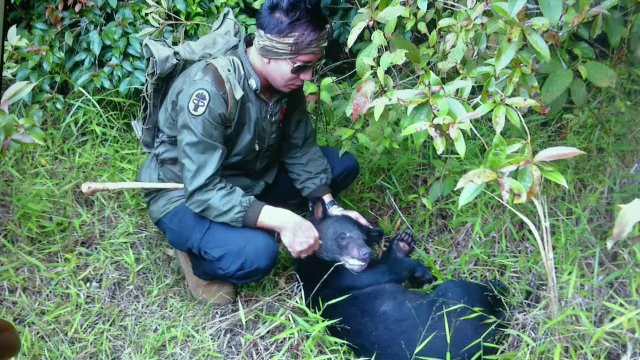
{"x":555,"y":85}
{"x":68,"y":38}
{"x":477,"y":176}
{"x":113,"y":3}
{"x":578,"y":92}
{"x":181,"y":5}
{"x":506,"y":53}
{"x":470,"y":192}
{"x":512,"y":115}
{"x":446,"y":22}
{"x":124,"y":86}
{"x":499,"y":118}
{"x":600,"y":74}
{"x":390,"y":13}
{"x":17,"y":91}
{"x":413,"y":54}
{"x":518,"y":189}
{"x":441,"y":188}
{"x":614,"y":27}
{"x":551,"y":9}
{"x":501,"y":8}
{"x":378,"y":109}
{"x":498,"y":153}
{"x":414,"y":128}
{"x":460,"y":145}
{"x":368,"y":53}
{"x":392,"y":58}
{"x":423,"y":4}
{"x":96,"y":42}
{"x":515,"y":6}
{"x":355,"y":31}
{"x":106,"y":83}
{"x":83,"y":79}
{"x":127,"y":66}
{"x":555,"y":177}
{"x":538,"y":43}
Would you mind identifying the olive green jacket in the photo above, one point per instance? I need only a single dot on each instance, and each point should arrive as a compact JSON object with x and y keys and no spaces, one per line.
{"x":223,"y":163}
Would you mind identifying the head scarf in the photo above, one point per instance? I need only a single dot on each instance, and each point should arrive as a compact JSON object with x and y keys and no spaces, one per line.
{"x":277,"y":47}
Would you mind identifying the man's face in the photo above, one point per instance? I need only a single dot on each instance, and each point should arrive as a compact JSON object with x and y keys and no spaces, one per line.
{"x":278,"y":72}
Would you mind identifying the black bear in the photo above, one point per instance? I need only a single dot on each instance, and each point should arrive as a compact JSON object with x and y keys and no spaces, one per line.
{"x":382,"y":318}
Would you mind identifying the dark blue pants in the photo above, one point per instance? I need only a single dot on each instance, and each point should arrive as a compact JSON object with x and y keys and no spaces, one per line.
{"x":245,"y":255}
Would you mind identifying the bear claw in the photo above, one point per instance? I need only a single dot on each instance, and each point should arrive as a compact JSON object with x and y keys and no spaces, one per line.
{"x":403,"y":244}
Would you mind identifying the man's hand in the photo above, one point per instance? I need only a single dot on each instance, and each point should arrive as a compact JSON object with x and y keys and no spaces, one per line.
{"x":298,"y":234}
{"x":336,"y":210}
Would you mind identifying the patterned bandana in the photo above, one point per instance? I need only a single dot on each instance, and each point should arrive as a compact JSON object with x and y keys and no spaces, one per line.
{"x":276,"y":47}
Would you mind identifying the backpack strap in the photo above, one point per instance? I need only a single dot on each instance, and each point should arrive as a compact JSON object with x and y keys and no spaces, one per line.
{"x":228,"y":85}
{"x":222,"y":88}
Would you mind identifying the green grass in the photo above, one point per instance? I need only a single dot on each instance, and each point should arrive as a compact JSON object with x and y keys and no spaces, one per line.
{"x":92,"y":278}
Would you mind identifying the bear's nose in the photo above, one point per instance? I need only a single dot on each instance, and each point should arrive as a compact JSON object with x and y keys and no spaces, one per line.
{"x":366,"y":253}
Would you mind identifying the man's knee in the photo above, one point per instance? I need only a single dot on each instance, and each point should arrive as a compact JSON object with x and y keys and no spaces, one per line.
{"x":344,"y":169}
{"x":350,"y":167}
{"x":243,"y":259}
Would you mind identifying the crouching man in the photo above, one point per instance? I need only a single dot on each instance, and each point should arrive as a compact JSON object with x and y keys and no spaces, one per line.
{"x":243,"y":179}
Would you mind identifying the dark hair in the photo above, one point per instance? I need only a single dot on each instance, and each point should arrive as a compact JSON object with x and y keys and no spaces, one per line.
{"x":286,"y":17}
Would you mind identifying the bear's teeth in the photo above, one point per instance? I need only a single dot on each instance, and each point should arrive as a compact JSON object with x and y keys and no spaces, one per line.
{"x":354,"y":262}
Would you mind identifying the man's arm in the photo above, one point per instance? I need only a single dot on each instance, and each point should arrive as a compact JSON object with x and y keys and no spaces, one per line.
{"x":306,"y":165}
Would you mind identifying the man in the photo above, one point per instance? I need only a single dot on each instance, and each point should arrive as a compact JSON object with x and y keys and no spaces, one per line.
{"x":242,"y":178}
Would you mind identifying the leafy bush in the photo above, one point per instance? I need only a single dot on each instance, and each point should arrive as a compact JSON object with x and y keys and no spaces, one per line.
{"x":444,"y":70}
{"x":97,"y":45}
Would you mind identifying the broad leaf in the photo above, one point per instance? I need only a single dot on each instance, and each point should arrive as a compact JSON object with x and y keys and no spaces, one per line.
{"x":551,"y":9}
{"x":477,"y":176}
{"x":515,"y":6}
{"x":555,"y":176}
{"x":363,"y":98}
{"x":506,"y":53}
{"x":513,"y":116}
{"x":557,"y":153}
{"x":15,"y":92}
{"x":181,"y":5}
{"x":413,"y":54}
{"x":555,"y":85}
{"x":600,"y":74}
{"x":626,"y":220}
{"x":390,"y":13}
{"x":538,"y":43}
{"x":355,"y":31}
{"x":518,"y":189}
{"x":470,"y":192}
{"x":414,"y":128}
{"x":499,"y":118}
{"x":423,"y":4}
{"x":578,"y":92}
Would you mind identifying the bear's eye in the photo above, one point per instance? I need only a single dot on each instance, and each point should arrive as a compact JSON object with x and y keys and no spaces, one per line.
{"x":342,"y":238}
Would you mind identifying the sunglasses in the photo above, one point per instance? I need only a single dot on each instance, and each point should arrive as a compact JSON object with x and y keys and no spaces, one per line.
{"x":301,"y":68}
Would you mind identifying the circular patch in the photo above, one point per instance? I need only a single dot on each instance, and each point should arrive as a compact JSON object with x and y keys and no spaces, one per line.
{"x":199,"y":102}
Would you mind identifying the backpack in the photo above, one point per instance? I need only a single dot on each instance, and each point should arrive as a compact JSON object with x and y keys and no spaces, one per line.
{"x":166,"y":62}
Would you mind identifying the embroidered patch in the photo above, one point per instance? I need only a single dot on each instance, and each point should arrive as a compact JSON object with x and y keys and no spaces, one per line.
{"x":199,"y":102}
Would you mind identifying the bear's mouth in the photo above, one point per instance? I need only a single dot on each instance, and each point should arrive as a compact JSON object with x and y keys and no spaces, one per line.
{"x":353,"y":264}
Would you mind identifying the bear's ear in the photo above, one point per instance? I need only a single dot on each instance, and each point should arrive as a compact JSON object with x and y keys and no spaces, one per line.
{"x":374,"y":235}
{"x":318,"y":209}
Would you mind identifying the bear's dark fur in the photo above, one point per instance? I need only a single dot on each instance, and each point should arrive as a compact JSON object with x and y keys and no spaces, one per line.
{"x":381,"y":317}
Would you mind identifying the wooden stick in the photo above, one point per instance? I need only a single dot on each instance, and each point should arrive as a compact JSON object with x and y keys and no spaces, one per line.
{"x":90,"y":188}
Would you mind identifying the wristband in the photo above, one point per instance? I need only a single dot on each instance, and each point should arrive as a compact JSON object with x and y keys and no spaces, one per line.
{"x":331,"y":204}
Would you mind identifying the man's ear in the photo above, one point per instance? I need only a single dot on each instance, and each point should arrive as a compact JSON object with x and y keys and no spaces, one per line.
{"x":374,"y":235}
{"x":318,"y":209}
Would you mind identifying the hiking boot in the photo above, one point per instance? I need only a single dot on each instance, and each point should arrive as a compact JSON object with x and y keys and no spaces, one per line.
{"x":216,"y":292}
